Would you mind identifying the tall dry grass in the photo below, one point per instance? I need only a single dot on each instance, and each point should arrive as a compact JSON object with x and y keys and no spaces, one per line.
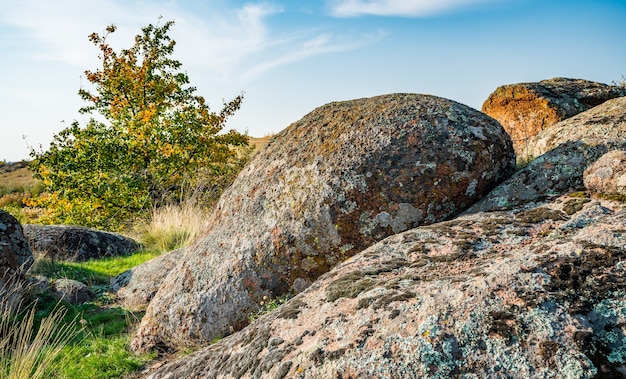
{"x":174,"y":226}
{"x":28,"y":350}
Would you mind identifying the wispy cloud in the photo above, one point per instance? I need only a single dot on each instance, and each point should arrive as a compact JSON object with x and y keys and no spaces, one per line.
{"x":233,"y":44}
{"x":403,"y":8}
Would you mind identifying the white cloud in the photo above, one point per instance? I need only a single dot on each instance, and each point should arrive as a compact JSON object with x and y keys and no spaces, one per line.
{"x":231,"y":44}
{"x":404,"y":8}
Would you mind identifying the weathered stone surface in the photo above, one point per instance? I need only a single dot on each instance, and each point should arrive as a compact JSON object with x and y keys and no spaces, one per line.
{"x":74,"y":243}
{"x":15,"y":258}
{"x":137,"y":286}
{"x":525,"y":109}
{"x":557,"y":172}
{"x":72,"y":291}
{"x":605,"y":123}
{"x":535,"y":292}
{"x":345,"y":176}
{"x":607,"y":175}
{"x":15,"y":254}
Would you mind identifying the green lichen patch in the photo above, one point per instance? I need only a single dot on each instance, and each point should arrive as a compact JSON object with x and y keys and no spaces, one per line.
{"x":349,"y":286}
{"x":541,"y":214}
{"x":575,"y":205}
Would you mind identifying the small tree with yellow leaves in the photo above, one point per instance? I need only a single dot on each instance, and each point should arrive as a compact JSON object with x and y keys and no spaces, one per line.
{"x":157,"y":139}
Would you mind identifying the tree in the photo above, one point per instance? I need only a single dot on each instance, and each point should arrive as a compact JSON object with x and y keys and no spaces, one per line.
{"x":158,"y":138}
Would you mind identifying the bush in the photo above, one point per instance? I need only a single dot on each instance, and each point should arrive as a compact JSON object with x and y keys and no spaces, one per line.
{"x":158,"y":138}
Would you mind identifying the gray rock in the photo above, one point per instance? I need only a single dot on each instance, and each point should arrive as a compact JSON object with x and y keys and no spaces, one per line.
{"x":16,"y":256}
{"x":599,"y":125}
{"x":526,"y":109}
{"x":137,"y":286}
{"x":72,"y":291}
{"x":78,"y":244}
{"x":607,"y":175}
{"x":345,"y":176}
{"x":504,"y":294}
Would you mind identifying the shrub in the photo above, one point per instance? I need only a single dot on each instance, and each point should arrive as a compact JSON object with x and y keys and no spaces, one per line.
{"x":157,"y":138}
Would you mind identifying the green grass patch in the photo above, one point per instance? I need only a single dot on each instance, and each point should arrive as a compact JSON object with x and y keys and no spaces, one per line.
{"x":92,"y":272}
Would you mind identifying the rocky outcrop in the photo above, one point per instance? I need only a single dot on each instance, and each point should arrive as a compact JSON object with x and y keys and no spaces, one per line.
{"x":607,"y":176}
{"x":526,"y":109}
{"x":535,"y":292}
{"x":15,"y":254}
{"x":78,"y":244}
{"x":606,"y":122}
{"x":137,"y":286}
{"x":345,"y":176}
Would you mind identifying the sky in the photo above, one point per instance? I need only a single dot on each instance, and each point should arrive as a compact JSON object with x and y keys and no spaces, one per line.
{"x":289,"y":57}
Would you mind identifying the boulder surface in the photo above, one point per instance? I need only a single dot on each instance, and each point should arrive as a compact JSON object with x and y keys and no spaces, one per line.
{"x":15,"y":254}
{"x":525,"y":109}
{"x":342,"y":178}
{"x":605,"y":123}
{"x":75,"y":243}
{"x":607,"y":175}
{"x":535,"y":292}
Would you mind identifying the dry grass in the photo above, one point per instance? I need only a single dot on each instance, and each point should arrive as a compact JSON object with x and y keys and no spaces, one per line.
{"x":260,"y":143}
{"x":174,"y":226}
{"x":20,"y":178}
{"x":28,"y":351}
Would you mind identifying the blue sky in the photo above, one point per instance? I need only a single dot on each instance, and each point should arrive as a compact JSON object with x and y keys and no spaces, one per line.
{"x":289,"y":57}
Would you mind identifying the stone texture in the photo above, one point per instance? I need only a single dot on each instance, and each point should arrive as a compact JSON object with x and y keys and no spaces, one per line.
{"x":526,"y":109}
{"x":607,"y":175}
{"x":534,"y":292}
{"x":78,"y":244}
{"x":606,"y":122}
{"x":72,"y":291}
{"x":137,"y":286}
{"x":15,"y":258}
{"x":15,"y":254}
{"x":345,"y":176}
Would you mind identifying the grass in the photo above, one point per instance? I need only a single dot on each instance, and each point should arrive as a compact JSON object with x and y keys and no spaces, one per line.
{"x":174,"y":226}
{"x":29,"y":344}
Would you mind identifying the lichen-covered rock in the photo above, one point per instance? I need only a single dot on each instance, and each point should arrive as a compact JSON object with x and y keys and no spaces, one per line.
{"x":525,"y":109}
{"x":605,"y":123}
{"x":345,"y":176}
{"x":557,"y":172}
{"x":15,"y":258}
{"x":535,"y":292}
{"x":75,"y":243}
{"x":72,"y":291}
{"x":607,"y":175}
{"x":15,"y":254}
{"x":137,"y":286}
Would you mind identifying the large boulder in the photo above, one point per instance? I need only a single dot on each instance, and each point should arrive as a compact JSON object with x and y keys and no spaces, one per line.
{"x":15,"y":254}
{"x":345,"y":176}
{"x":606,"y":122}
{"x":535,"y":292}
{"x":525,"y":109}
{"x":77,"y":244}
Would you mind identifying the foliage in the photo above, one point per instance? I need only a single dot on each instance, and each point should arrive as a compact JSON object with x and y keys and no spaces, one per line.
{"x":157,"y":139}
